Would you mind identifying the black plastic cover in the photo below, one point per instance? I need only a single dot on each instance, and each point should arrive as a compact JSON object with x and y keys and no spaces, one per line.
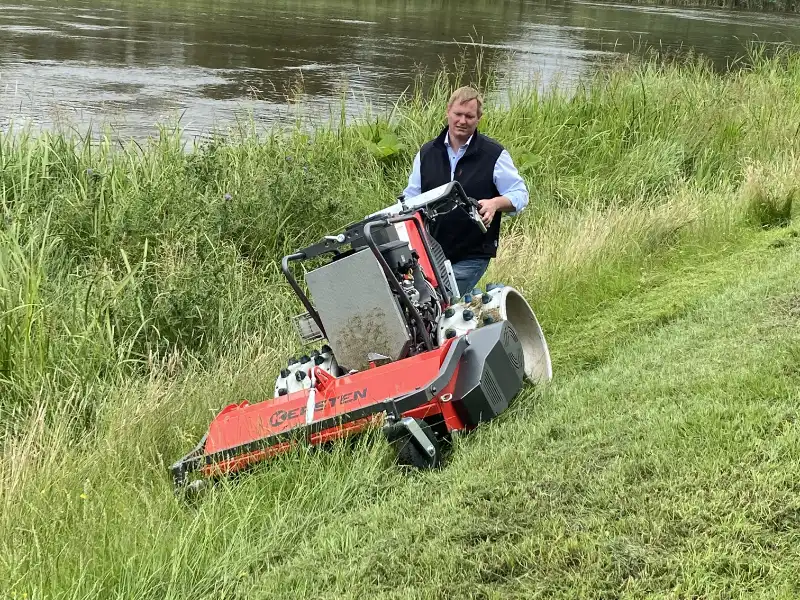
{"x":490,"y":374}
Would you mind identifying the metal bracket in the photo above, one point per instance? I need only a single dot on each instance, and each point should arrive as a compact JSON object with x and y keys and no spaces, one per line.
{"x":422,"y":440}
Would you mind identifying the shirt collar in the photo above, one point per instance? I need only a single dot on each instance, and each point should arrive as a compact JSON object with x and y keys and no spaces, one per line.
{"x":447,"y":140}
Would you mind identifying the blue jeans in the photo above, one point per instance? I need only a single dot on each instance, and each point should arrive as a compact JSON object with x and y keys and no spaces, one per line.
{"x":469,"y":272}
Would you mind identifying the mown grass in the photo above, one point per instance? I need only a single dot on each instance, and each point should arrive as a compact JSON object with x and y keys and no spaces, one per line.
{"x":139,"y":294}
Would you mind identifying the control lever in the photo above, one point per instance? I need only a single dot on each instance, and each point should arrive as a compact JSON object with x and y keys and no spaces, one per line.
{"x":474,"y":205}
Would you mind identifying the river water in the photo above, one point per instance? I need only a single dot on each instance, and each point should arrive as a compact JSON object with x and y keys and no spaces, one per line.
{"x":130,"y":64}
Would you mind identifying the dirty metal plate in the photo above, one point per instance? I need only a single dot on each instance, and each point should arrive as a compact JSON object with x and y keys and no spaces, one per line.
{"x":358,"y":310}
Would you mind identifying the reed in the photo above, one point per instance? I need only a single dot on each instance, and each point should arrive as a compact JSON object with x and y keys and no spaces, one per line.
{"x":788,"y":6}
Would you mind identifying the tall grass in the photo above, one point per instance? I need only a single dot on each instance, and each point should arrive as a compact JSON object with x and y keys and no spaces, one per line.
{"x":139,"y":293}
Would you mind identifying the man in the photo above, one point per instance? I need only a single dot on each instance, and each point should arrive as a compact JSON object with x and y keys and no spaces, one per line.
{"x":486,"y":172}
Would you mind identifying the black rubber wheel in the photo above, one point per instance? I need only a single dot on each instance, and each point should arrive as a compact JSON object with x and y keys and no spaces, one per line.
{"x":409,"y":455}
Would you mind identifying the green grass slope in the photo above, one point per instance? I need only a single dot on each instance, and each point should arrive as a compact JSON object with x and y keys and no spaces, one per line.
{"x":661,"y":462}
{"x":668,"y":468}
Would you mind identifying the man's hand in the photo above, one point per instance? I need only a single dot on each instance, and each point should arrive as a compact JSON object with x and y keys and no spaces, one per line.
{"x":491,"y":206}
{"x":487,"y":210}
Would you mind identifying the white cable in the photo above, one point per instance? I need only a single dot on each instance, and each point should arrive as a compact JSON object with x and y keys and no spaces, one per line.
{"x":311,"y":398}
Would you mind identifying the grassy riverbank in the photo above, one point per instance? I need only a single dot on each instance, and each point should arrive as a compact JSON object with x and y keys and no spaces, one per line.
{"x":139,"y":294}
{"x":790,"y":6}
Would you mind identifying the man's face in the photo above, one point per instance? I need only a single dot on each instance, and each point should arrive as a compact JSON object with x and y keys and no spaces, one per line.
{"x":462,"y":119}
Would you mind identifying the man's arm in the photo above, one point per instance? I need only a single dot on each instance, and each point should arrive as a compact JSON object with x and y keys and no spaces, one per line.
{"x":513,"y":196}
{"x":414,"y":187}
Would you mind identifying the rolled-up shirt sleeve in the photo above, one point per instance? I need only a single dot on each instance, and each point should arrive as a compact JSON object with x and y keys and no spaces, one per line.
{"x":414,"y":187}
{"x":509,"y":182}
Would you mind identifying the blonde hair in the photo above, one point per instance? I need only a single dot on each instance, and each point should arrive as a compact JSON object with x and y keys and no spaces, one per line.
{"x":465,"y":94}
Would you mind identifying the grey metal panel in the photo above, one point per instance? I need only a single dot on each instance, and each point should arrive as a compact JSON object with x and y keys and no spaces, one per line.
{"x":358,"y":310}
